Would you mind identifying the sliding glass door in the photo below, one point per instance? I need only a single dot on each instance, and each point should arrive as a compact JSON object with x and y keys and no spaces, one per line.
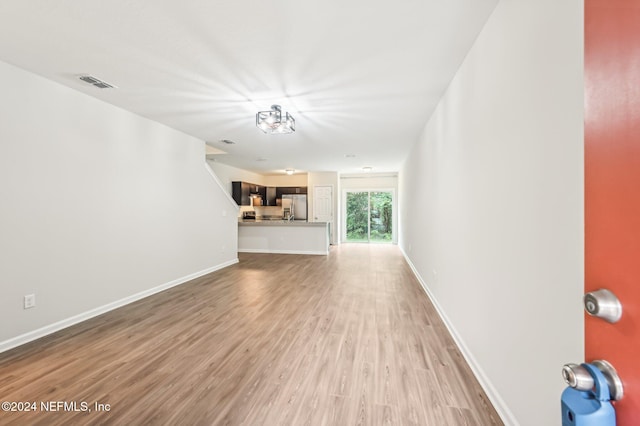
{"x":369,"y":216}
{"x":380,"y":217}
{"x":357,"y":217}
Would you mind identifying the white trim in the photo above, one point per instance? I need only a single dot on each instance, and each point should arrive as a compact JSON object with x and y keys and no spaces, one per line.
{"x":322,"y":253}
{"x":52,"y":328}
{"x":501,"y":407}
{"x":368,"y":175}
{"x":217,"y":180}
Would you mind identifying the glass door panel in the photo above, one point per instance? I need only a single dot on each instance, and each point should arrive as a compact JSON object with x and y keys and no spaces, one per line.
{"x":369,"y":216}
{"x":380,"y":217}
{"x":357,"y":216}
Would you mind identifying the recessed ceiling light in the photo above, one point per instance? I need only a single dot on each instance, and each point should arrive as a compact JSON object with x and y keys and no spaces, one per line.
{"x":289,"y":171}
{"x":367,"y":168}
{"x":227,"y":141}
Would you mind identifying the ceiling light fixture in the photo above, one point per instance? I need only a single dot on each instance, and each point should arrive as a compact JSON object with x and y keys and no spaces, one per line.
{"x":289,"y":171}
{"x":367,"y":169}
{"x":272,"y":122}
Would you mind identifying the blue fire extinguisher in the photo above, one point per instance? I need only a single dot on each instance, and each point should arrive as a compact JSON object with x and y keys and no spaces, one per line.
{"x":587,"y":400}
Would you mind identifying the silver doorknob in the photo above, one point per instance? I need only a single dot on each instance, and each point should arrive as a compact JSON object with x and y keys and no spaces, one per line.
{"x":603,"y":304}
{"x":577,"y":377}
{"x":616,"y":389}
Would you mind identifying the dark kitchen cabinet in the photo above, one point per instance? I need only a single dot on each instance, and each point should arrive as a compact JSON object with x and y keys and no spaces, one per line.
{"x":241,"y":193}
{"x":282,"y":190}
{"x":270,"y":196}
{"x":262,"y":191}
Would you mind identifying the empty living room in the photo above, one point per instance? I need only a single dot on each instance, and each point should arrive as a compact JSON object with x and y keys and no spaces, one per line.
{"x":312,"y":213}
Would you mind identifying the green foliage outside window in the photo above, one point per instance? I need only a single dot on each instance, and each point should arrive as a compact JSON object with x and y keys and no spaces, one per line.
{"x":380,"y":206}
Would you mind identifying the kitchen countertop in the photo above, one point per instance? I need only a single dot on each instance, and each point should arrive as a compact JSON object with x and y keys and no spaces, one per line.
{"x":283,"y":236}
{"x":259,"y":222}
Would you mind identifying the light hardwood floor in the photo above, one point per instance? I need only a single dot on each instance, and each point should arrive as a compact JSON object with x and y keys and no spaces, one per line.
{"x":346,"y":339}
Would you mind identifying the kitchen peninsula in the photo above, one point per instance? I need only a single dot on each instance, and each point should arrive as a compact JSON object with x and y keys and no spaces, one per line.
{"x":283,"y":236}
{"x":274,"y":220}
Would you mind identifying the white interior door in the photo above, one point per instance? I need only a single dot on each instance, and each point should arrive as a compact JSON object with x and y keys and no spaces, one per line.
{"x":323,"y":206}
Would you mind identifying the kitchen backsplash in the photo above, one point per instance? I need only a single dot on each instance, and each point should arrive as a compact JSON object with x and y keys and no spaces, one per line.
{"x":262,"y":210}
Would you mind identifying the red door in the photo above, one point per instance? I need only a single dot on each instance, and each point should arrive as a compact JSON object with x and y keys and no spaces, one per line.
{"x":612,"y":188}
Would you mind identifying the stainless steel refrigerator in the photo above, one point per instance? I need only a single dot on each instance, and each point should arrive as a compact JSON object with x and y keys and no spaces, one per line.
{"x":298,"y":205}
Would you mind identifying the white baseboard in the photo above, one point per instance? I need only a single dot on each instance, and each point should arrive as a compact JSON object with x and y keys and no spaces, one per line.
{"x":501,"y":407}
{"x":52,"y":328}
{"x":320,"y":253}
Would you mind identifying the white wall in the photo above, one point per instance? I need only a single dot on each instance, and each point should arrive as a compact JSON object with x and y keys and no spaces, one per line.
{"x":497,"y":233}
{"x":227,"y":174}
{"x":98,"y":205}
{"x":298,"y":179}
{"x":369,"y":180}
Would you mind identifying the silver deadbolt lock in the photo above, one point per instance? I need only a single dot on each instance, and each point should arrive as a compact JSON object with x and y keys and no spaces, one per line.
{"x":603,"y":304}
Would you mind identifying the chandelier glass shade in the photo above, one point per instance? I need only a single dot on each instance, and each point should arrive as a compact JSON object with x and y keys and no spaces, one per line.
{"x":272,"y":121}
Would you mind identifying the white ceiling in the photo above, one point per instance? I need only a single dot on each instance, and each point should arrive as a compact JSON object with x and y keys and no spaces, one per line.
{"x":360,"y":77}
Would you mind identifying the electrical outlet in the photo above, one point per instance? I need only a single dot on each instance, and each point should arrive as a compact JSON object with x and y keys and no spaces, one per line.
{"x":30,"y":301}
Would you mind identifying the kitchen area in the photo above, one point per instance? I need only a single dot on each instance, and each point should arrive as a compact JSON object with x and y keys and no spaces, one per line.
{"x":274,"y":219}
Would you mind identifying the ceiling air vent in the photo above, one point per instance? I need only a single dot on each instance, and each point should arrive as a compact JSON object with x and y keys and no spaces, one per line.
{"x":96,"y":82}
